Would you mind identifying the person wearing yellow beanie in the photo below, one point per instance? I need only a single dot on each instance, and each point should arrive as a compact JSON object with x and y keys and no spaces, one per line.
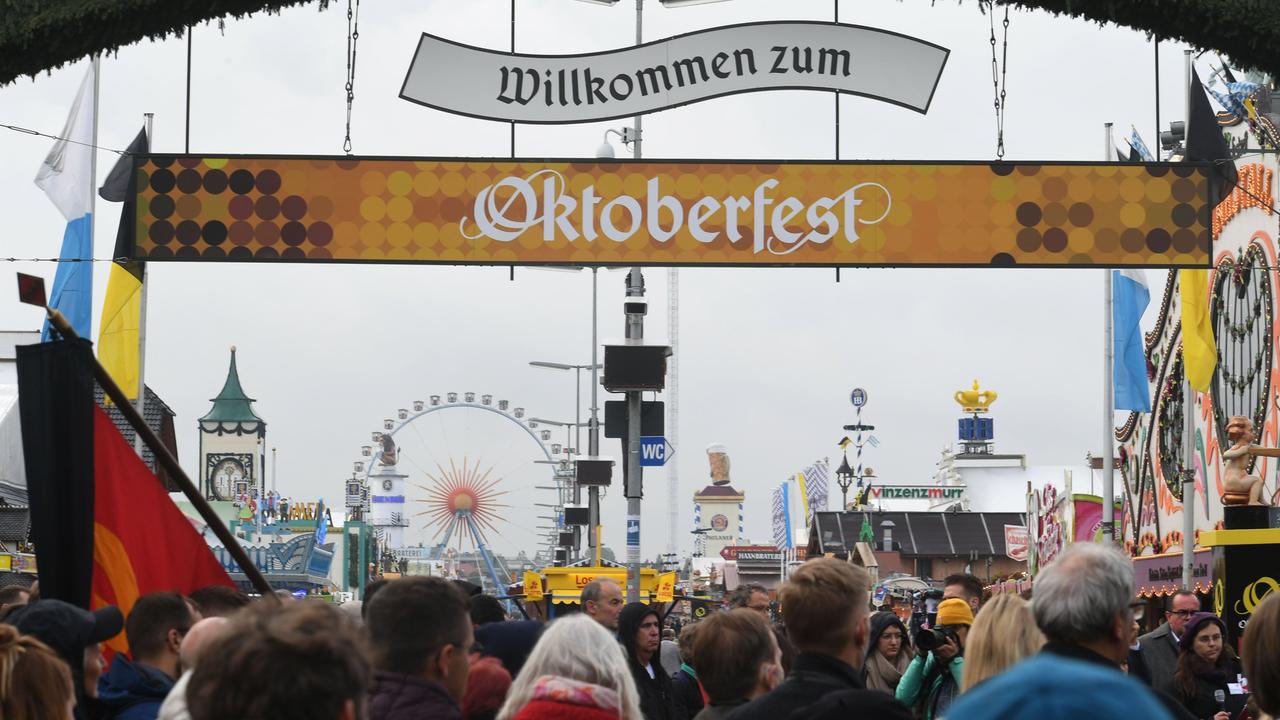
{"x":932,"y":681}
{"x":955,"y":612}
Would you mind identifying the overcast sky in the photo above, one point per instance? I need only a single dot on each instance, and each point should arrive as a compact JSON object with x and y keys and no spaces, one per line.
{"x":767,"y":356}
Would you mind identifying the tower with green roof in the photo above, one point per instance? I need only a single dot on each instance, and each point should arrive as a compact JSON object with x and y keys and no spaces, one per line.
{"x":232,"y":440}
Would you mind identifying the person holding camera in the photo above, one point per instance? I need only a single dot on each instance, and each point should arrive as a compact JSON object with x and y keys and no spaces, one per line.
{"x":932,"y":681}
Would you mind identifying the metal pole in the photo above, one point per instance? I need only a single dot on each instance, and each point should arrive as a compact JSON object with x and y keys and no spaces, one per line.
{"x":147,"y":119}
{"x":577,"y":449}
{"x":186,"y":148}
{"x":273,"y":470}
{"x":673,"y":404}
{"x":1108,"y":390}
{"x":635,"y":147}
{"x":835,"y":4}
{"x":635,"y":332}
{"x":1157,"y":74}
{"x":513,"y":50}
{"x":634,"y":481}
{"x":1189,"y":416}
{"x":593,"y":429}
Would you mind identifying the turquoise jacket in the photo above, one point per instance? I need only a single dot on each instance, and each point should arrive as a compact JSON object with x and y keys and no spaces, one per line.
{"x":909,"y":687}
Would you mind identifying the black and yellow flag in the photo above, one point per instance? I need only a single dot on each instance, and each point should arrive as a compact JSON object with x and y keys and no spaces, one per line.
{"x":122,"y":309}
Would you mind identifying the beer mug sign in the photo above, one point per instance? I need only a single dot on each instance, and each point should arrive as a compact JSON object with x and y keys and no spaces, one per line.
{"x":719,"y":459}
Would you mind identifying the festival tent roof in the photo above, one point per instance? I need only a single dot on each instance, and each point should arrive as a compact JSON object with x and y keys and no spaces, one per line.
{"x":916,"y":534}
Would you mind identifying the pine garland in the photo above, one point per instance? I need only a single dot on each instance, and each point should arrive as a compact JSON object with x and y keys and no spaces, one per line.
{"x":40,"y":35}
{"x":1247,"y":31}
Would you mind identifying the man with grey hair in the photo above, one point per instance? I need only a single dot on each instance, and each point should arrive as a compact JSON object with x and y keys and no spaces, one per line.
{"x":602,"y":602}
{"x":1084,"y":605}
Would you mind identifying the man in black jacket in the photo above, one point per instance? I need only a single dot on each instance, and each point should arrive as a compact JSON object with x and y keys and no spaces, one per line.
{"x":640,"y":632}
{"x":824,"y":605}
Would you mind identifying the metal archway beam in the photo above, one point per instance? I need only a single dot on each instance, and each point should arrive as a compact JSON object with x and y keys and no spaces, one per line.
{"x":39,"y":35}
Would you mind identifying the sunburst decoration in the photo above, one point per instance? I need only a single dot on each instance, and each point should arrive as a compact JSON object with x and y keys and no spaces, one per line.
{"x":460,"y":502}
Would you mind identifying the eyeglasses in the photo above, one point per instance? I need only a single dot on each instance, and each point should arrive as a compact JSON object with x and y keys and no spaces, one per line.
{"x":1180,"y":613}
{"x":1139,"y":609}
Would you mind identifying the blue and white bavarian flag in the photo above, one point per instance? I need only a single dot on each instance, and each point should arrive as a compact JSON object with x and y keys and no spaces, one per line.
{"x":1135,"y":142}
{"x":1130,"y":296}
{"x":66,"y":176}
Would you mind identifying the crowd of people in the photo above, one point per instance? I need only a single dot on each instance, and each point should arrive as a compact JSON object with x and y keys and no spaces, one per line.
{"x":425,"y":648}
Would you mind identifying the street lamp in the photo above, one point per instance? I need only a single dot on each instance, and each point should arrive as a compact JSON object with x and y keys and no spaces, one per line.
{"x":844,"y":478}
{"x":593,"y":425}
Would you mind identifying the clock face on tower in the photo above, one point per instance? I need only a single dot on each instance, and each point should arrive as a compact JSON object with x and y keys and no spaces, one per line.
{"x":225,"y":473}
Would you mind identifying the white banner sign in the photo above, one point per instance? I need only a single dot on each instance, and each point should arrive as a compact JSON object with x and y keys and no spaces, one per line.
{"x":684,"y":69}
{"x":1016,"y":542}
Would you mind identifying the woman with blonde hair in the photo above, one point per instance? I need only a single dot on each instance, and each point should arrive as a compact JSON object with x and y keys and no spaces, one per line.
{"x":1003,"y":633}
{"x":577,"y":671}
{"x":35,"y":684}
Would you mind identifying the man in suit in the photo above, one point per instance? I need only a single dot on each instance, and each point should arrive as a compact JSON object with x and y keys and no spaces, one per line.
{"x":1158,"y":649}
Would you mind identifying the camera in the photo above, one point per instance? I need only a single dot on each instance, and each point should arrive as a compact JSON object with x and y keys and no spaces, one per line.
{"x":934,"y":638}
{"x":924,"y":610}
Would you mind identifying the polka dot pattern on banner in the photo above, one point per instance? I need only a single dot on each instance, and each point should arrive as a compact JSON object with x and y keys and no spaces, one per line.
{"x":737,"y":213}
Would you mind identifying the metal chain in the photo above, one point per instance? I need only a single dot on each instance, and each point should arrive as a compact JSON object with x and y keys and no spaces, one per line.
{"x":353,"y":36}
{"x":999,"y":68}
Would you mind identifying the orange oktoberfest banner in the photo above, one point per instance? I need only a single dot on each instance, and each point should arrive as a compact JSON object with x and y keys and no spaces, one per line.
{"x":665,"y":213}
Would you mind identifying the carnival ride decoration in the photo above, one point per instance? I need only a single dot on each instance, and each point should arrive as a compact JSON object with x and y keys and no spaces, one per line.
{"x":1154,"y":448}
{"x":1239,"y":487}
{"x":976,"y":433}
{"x":976,"y":400}
{"x":461,"y":502}
{"x":718,"y":457}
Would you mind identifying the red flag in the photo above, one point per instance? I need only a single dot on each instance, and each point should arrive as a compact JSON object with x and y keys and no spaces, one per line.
{"x":142,"y":542}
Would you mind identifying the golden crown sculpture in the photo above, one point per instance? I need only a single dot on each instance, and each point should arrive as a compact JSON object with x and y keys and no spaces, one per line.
{"x":975,"y":400}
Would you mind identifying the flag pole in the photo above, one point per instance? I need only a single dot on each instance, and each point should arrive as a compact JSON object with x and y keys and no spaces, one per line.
{"x":142,"y":324}
{"x":1189,"y":420}
{"x":1108,"y":390}
{"x":169,"y":462}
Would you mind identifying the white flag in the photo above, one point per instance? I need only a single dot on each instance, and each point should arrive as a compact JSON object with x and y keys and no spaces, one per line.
{"x":65,"y":174}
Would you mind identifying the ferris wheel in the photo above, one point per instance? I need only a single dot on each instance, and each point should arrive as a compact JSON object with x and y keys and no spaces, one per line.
{"x":456,"y":471}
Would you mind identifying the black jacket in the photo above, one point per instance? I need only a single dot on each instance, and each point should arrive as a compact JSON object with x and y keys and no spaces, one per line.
{"x":822,"y":685}
{"x":393,"y":696}
{"x":657,"y":696}
{"x":1202,"y":705}
{"x":687,"y":692}
{"x":1176,"y":711}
